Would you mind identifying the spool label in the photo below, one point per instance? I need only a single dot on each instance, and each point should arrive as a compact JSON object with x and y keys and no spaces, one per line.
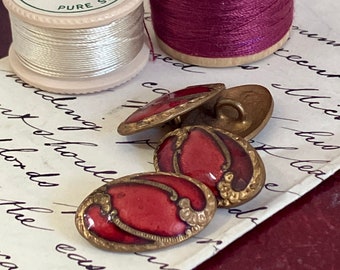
{"x":64,"y":7}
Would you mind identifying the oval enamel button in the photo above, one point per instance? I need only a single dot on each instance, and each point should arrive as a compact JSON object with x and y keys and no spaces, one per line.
{"x":225,"y":162}
{"x":168,"y":107}
{"x":145,"y":211}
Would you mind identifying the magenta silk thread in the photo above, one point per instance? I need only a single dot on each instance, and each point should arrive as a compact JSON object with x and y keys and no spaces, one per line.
{"x":221,"y":28}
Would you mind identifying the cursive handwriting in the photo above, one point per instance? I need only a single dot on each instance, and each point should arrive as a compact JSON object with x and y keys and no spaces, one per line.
{"x":19,"y":207}
{"x":59,"y":146}
{"x":248,"y":67}
{"x":270,"y":149}
{"x":4,"y":262}
{"x":157,"y":90}
{"x":284,"y":119}
{"x":208,"y":241}
{"x":37,"y":177}
{"x":146,"y":142}
{"x":81,"y":260}
{"x":313,"y":137}
{"x":297,"y":59}
{"x":8,"y":155}
{"x":305,"y":166}
{"x":153,"y":260}
{"x":135,"y":104}
{"x":272,"y":186}
{"x":68,"y":212}
{"x":306,"y":96}
{"x":244,"y":214}
{"x":182,"y":66}
{"x":315,"y":36}
{"x":59,"y":104}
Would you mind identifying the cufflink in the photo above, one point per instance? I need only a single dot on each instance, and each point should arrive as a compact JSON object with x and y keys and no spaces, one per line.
{"x":145,"y":211}
{"x":242,"y":110}
{"x":223,"y":161}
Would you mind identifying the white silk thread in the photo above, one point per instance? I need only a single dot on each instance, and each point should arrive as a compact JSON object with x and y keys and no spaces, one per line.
{"x":79,"y":53}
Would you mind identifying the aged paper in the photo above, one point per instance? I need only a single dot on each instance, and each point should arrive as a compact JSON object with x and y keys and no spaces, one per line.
{"x":56,"y":149}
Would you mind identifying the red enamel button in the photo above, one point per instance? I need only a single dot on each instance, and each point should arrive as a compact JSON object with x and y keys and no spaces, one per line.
{"x":168,"y":107}
{"x":226,"y":163}
{"x":145,"y":211}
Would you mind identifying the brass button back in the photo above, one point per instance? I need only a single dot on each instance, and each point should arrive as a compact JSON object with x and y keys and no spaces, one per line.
{"x":242,"y":110}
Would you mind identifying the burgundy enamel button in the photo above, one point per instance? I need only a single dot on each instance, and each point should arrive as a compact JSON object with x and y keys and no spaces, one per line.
{"x":226,"y":163}
{"x":168,"y":107}
{"x":145,"y":211}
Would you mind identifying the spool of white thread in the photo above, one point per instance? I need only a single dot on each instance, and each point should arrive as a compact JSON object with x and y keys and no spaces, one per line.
{"x":73,"y":16}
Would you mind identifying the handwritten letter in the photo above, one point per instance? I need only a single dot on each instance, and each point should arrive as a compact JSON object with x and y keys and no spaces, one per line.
{"x":56,"y":149}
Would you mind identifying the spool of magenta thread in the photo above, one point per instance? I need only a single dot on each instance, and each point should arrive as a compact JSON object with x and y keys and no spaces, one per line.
{"x":221,"y":33}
